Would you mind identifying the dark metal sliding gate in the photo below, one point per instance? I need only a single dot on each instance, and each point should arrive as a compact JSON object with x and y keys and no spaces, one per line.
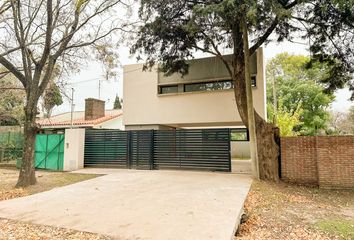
{"x":207,"y":149}
{"x":201,"y":149}
{"x":108,"y":148}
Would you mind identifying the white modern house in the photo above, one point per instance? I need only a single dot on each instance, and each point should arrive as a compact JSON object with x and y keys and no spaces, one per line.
{"x":204,"y":98}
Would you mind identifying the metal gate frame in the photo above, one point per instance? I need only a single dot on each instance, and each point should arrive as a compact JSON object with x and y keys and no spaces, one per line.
{"x":53,"y":150}
{"x":196,"y":149}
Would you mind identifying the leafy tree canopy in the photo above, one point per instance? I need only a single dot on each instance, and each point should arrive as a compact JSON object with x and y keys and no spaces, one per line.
{"x":117,"y":103}
{"x":12,"y":99}
{"x":299,"y":87}
{"x":174,"y":30}
{"x":52,"y":97}
{"x":287,"y":121}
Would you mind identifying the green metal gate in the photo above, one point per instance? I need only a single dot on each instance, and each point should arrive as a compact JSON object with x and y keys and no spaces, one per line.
{"x":49,"y":151}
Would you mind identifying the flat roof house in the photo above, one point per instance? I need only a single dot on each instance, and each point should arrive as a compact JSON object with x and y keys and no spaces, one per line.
{"x":203,"y":98}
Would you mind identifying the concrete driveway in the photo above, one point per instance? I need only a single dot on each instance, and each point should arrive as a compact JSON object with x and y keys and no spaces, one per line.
{"x":131,"y":204}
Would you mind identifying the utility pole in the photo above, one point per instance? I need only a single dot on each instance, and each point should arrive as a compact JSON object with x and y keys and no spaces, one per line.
{"x":250,"y":108}
{"x":72,"y":108}
{"x":99,"y":89}
{"x":275,"y":100}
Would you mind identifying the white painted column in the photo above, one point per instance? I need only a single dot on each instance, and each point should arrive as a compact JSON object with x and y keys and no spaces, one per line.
{"x":74,"y":149}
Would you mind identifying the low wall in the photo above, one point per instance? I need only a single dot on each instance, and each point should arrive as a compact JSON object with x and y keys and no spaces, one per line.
{"x":325,"y":161}
{"x":74,"y":149}
{"x":240,"y":149}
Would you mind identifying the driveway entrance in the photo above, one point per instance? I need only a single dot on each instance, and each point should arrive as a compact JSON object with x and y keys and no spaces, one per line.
{"x":132,"y":204}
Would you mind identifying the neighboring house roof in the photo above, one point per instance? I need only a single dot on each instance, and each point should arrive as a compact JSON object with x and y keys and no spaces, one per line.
{"x":64,"y":120}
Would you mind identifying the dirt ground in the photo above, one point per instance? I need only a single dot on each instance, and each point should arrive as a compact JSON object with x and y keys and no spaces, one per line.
{"x":12,"y":230}
{"x":46,"y":180}
{"x":285,"y":211}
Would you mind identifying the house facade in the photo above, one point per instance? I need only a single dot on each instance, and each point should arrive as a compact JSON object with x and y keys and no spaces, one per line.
{"x":203,"y":98}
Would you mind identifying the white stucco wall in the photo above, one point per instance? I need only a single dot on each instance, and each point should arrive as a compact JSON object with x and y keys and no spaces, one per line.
{"x":74,"y":149}
{"x":116,"y":123}
{"x":144,"y":106}
{"x":240,"y":149}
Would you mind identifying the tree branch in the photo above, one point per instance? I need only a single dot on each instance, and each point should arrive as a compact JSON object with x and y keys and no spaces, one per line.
{"x":265,"y":36}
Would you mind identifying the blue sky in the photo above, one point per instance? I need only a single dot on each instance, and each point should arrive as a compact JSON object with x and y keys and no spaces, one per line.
{"x":87,"y":81}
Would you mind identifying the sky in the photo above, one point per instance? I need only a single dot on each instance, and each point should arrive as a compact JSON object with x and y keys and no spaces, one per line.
{"x":86,"y":83}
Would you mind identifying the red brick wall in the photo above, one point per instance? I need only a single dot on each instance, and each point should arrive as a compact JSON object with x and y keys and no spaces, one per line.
{"x":335,"y":160}
{"x":298,"y":163}
{"x":326,"y":161}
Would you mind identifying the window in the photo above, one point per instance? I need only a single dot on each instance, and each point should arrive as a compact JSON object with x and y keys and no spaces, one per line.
{"x":208,"y":86}
{"x":168,"y":89}
{"x":253,"y":81}
{"x":201,"y":86}
{"x":240,"y":134}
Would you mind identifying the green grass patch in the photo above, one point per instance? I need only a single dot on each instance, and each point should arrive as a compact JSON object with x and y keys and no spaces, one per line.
{"x":340,"y":227}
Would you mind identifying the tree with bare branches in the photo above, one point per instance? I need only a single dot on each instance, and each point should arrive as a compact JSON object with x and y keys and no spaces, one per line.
{"x":38,"y":35}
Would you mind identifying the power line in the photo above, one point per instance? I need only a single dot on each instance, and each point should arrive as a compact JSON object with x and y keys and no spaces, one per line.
{"x":88,"y":80}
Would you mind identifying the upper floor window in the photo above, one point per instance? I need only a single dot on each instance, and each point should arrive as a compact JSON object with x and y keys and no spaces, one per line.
{"x":201,"y":86}
{"x":208,"y":86}
{"x":168,"y":89}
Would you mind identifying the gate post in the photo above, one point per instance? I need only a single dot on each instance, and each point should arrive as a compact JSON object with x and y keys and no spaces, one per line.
{"x":152,"y":151}
{"x":74,"y":149}
{"x":229,"y":142}
{"x":129,"y":149}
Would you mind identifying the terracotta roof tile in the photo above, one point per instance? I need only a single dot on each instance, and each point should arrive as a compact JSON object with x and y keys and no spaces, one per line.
{"x":76,"y":122}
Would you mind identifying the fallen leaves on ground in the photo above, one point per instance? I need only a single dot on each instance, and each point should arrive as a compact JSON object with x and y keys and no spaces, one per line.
{"x":46,"y":180}
{"x":12,"y":193}
{"x":13,"y":230}
{"x":285,"y":211}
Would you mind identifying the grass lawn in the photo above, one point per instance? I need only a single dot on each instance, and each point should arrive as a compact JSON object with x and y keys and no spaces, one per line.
{"x":46,"y":180}
{"x":285,"y":211}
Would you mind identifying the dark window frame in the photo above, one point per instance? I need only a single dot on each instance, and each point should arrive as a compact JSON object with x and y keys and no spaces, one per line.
{"x":160,"y":87}
{"x":239,"y":130}
{"x":166,"y":86}
{"x":209,"y":82}
{"x":254,"y":81}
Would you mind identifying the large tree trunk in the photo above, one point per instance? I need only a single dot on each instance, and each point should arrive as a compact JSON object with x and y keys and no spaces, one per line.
{"x":27,"y":175}
{"x":267,"y":134}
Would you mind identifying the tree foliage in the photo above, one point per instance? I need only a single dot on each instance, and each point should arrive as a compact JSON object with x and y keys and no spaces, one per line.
{"x":12,"y":98}
{"x":341,"y":123}
{"x":117,"y":103}
{"x":286,"y":121}
{"x":173,"y":30}
{"x":300,"y":87}
{"x":52,"y":97}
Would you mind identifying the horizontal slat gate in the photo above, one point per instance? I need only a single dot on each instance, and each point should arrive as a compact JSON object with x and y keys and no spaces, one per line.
{"x":106,"y":148}
{"x":201,"y":149}
{"x":141,"y":149}
{"x":204,"y":149}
